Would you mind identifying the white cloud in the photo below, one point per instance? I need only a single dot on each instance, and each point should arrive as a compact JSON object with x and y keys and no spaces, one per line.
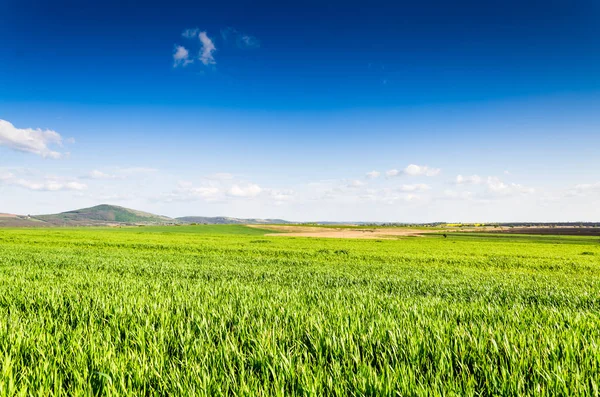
{"x":497,"y":187}
{"x":250,"y":190}
{"x":494,"y":185}
{"x":419,"y":187}
{"x":186,"y":191}
{"x":469,"y":180}
{"x":582,"y":189}
{"x":30,"y":140}
{"x":181,"y":56}
{"x":373,"y":174}
{"x":414,"y":170}
{"x":417,"y":170}
{"x":48,"y":183}
{"x":218,"y":190}
{"x":95,"y":174}
{"x":208,"y":47}
{"x":119,"y":173}
{"x":586,"y":187}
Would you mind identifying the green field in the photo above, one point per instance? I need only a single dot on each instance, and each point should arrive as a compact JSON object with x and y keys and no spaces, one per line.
{"x":212,"y":310}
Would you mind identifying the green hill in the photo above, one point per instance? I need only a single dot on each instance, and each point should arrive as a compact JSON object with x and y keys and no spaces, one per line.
{"x":104,"y":214}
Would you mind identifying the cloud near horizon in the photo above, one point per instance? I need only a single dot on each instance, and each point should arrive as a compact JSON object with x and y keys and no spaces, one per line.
{"x":29,"y":140}
{"x":414,"y":170}
{"x":48,"y":183}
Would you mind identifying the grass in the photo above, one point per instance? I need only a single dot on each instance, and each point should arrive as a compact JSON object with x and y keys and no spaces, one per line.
{"x":212,"y":310}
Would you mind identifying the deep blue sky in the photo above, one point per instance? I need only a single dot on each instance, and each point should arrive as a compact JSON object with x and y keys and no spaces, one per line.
{"x":470,"y":87}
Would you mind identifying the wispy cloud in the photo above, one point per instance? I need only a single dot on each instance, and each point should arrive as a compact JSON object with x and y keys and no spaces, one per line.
{"x":418,"y":187}
{"x":47,"y":183}
{"x":414,"y":170}
{"x":494,"y":186}
{"x":28,"y":140}
{"x":250,"y":190}
{"x":207,"y":49}
{"x":241,"y":40}
{"x":417,"y":170}
{"x":469,"y":180}
{"x":119,"y":173}
{"x":191,"y":33}
{"x":373,"y":174}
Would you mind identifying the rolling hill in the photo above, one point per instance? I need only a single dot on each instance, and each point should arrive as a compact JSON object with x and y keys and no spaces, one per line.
{"x":103,"y":214}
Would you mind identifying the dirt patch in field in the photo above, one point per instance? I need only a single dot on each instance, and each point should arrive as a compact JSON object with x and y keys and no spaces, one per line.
{"x":328,"y":232}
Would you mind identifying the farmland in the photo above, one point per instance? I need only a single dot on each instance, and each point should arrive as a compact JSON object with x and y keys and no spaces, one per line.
{"x":224,"y":309}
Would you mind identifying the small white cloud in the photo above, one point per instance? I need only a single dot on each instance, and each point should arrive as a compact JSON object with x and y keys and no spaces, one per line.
{"x":418,"y":187}
{"x":373,"y":174}
{"x":414,"y":170}
{"x":181,"y":56}
{"x":469,"y":180}
{"x":418,"y":170}
{"x":250,"y":190}
{"x":95,"y":174}
{"x":30,"y":140}
{"x":207,"y":49}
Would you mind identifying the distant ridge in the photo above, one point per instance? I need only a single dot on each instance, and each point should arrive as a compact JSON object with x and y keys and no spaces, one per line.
{"x":224,"y":220}
{"x":106,"y":215}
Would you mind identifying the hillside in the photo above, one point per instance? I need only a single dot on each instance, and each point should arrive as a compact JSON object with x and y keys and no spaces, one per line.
{"x":103,"y":214}
{"x":223,"y":220}
{"x":11,"y":220}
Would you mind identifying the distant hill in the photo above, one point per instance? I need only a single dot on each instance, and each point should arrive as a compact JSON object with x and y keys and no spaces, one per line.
{"x":224,"y":220}
{"x":12,"y":220}
{"x":103,"y":214}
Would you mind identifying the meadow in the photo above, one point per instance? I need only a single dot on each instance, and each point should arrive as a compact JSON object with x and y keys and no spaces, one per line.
{"x":224,"y":310}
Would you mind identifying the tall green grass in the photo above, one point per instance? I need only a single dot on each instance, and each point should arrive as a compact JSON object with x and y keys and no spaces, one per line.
{"x":141,"y":312}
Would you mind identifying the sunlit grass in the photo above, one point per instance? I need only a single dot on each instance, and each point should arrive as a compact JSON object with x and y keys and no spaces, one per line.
{"x":203,"y":310}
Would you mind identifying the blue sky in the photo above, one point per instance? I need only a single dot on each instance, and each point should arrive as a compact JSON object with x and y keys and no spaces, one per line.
{"x":466,"y":111}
